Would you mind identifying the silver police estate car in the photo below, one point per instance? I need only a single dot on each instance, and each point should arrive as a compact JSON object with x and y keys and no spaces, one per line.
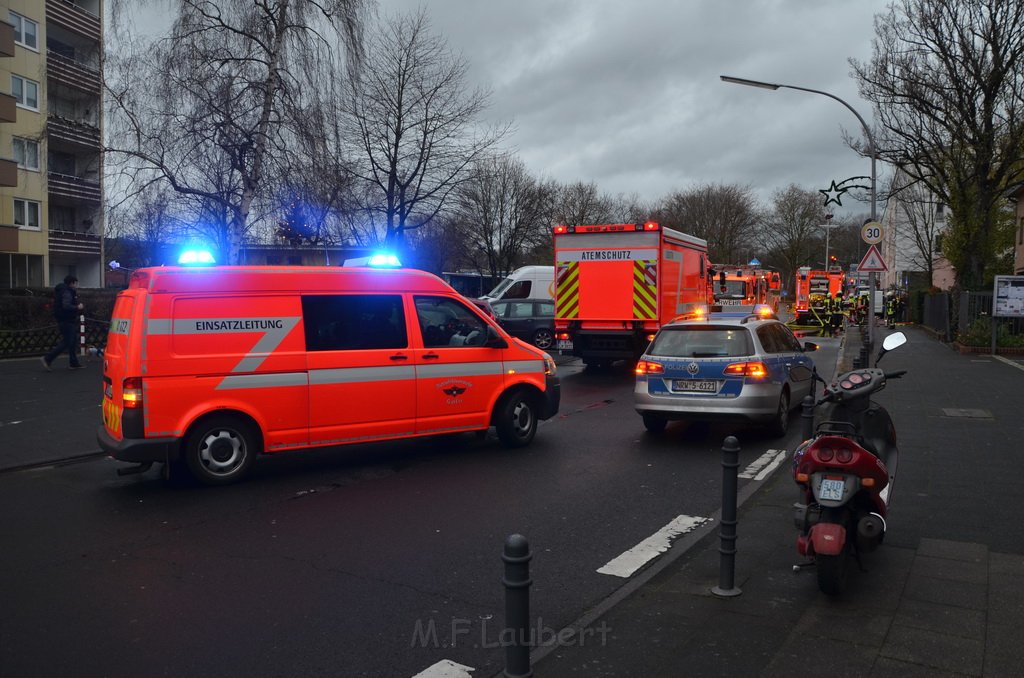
{"x":742,"y":364}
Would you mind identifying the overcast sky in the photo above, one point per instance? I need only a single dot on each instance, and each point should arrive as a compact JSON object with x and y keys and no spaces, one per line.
{"x":627,"y":94}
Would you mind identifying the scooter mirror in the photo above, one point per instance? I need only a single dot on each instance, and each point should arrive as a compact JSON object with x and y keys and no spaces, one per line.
{"x":894,"y":340}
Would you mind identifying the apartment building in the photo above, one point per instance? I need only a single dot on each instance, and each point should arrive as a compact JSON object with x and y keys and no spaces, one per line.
{"x":51,"y":221}
{"x":913,"y":222}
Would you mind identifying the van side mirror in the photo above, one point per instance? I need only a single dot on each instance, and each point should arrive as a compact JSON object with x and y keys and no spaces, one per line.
{"x":494,"y":340}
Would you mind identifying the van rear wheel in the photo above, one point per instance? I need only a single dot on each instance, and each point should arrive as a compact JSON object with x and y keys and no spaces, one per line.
{"x":221,"y":450}
{"x":515,"y":420}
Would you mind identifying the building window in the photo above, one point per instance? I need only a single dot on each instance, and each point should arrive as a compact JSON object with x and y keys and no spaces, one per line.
{"x":26,"y":152}
{"x":26,"y":214}
{"x":25,"y":31}
{"x":1020,"y":231}
{"x":25,"y":91}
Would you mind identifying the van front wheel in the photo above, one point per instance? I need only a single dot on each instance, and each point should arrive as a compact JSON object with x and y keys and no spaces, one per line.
{"x":220,"y":450}
{"x":516,"y":420}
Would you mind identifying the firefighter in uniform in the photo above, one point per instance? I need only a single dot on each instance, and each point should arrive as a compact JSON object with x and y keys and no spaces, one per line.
{"x":836,"y":315}
{"x":890,"y":309}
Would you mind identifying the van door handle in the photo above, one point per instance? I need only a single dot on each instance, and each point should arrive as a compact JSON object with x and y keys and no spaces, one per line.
{"x":431,"y":356}
{"x":399,"y":357}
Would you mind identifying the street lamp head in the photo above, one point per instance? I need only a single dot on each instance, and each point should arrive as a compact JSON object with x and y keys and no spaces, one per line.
{"x":749,"y":83}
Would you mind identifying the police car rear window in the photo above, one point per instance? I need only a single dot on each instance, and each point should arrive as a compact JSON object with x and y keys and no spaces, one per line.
{"x":702,"y":342}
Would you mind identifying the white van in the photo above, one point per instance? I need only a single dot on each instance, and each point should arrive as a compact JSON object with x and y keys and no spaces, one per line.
{"x":527,"y":282}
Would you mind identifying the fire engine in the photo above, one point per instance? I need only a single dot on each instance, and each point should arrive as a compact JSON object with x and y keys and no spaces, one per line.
{"x":812,"y":286}
{"x":616,"y":284}
{"x":744,"y":285}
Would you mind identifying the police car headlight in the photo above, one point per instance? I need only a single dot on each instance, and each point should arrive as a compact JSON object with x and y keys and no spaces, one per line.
{"x":549,"y":365}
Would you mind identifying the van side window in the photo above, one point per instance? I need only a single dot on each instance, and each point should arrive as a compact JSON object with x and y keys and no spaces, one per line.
{"x":518,"y":290}
{"x":352,"y":322}
{"x":447,"y":322}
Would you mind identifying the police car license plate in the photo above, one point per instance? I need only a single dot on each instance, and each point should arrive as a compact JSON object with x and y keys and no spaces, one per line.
{"x":695,"y":385}
{"x":831,"y":489}
{"x":564,"y":345}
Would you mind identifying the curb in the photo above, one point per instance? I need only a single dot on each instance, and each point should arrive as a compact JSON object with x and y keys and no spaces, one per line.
{"x":65,"y":461}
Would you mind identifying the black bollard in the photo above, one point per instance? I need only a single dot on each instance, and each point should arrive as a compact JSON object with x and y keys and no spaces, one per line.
{"x":807,"y":417}
{"x":727,"y":534}
{"x":516,"y":636}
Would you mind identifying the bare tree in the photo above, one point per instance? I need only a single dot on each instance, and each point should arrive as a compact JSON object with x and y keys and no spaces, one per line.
{"x":724,"y":215}
{"x":917,"y":222}
{"x":416,"y":123}
{"x":947,"y":83}
{"x":581,"y":203}
{"x":501,"y":213}
{"x":790,"y":228}
{"x":209,"y":109}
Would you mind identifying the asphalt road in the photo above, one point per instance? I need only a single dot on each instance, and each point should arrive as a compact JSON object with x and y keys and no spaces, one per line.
{"x":374,"y":560}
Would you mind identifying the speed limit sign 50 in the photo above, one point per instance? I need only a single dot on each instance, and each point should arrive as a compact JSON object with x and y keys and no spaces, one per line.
{"x":872,"y":233}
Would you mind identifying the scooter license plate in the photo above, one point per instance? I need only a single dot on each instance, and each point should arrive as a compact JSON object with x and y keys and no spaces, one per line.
{"x":831,"y":489}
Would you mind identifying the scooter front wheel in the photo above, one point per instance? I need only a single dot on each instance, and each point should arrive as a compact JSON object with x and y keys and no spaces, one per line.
{"x":832,"y":571}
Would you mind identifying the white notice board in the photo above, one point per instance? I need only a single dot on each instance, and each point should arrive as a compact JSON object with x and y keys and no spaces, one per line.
{"x":1008,"y":296}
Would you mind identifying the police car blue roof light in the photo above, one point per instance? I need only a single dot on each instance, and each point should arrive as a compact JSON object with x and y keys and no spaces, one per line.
{"x":196,"y":258}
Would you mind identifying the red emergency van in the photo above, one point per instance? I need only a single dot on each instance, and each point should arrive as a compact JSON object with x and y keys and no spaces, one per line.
{"x":206,"y":368}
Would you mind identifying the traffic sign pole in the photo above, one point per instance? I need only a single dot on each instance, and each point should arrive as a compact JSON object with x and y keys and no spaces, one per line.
{"x":872,"y":233}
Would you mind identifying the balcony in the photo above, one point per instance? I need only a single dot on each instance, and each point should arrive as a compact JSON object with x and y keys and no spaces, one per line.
{"x":8,"y":108}
{"x":80,"y":135}
{"x":71,"y":73}
{"x":8,"y":172}
{"x":67,"y":188}
{"x":9,"y":238}
{"x":70,"y":242}
{"x":6,"y":39}
{"x":71,"y":16}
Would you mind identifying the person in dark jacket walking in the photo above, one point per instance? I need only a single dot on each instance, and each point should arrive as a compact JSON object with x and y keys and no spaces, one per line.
{"x":66,"y":308}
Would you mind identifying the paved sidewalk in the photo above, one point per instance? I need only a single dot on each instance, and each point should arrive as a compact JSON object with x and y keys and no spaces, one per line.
{"x":943,"y":596}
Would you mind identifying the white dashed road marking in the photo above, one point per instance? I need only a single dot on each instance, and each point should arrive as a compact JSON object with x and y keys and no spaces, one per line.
{"x":763,"y":465}
{"x":446,"y":669}
{"x":635,"y":558}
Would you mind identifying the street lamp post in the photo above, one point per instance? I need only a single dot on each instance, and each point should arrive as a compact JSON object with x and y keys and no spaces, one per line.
{"x":828,"y":231}
{"x":871,"y":143}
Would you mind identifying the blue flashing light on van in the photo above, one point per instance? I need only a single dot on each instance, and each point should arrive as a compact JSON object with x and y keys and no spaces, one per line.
{"x":379,"y":260}
{"x":196,"y":258}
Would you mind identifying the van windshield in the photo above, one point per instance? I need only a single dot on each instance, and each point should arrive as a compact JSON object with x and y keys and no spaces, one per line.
{"x":501,"y":287}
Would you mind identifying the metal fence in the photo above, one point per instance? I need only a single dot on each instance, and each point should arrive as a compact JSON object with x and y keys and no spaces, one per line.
{"x":952,"y":314}
{"x":936,"y":314}
{"x":39,"y":340}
